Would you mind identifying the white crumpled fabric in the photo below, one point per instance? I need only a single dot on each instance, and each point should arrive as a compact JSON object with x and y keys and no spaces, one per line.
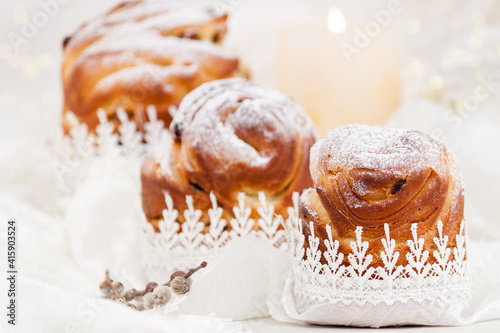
{"x":66,"y":241}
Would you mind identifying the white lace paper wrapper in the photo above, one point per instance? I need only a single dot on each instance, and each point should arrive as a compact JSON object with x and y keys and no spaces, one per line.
{"x":171,"y":249}
{"x":423,"y":292}
{"x":484,"y":303}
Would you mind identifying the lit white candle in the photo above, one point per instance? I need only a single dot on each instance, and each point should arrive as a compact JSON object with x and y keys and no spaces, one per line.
{"x":337,"y":80}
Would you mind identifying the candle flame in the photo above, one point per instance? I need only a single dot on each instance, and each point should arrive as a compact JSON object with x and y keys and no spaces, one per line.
{"x":336,"y":20}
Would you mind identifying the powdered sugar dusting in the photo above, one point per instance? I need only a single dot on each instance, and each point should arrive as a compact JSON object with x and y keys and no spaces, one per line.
{"x":154,"y":74}
{"x":138,"y":49}
{"x":371,"y":148}
{"x":145,"y":15}
{"x":154,"y":57}
{"x":267,"y":114}
{"x":229,"y":91}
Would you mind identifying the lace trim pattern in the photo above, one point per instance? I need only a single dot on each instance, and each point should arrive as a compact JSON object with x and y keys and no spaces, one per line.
{"x":127,"y":142}
{"x":194,"y":242}
{"x":359,"y":283}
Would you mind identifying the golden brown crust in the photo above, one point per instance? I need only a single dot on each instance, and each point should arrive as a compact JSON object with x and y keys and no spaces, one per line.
{"x":142,"y":53}
{"x":155,"y":184}
{"x":367,"y":177}
{"x":232,"y":136}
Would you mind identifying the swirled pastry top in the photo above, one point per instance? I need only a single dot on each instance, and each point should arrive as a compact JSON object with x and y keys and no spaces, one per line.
{"x":231,"y":136}
{"x":259,"y":137}
{"x":165,"y":18}
{"x":377,"y":176}
{"x":133,"y":57}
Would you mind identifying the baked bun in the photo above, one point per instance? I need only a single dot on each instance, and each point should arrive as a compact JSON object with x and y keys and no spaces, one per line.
{"x":231,"y":136}
{"x":142,"y":53}
{"x":367,"y":176}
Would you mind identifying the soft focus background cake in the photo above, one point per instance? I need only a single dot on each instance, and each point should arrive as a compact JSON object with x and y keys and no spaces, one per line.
{"x":231,"y":136}
{"x":141,"y":53}
{"x":367,"y":176}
